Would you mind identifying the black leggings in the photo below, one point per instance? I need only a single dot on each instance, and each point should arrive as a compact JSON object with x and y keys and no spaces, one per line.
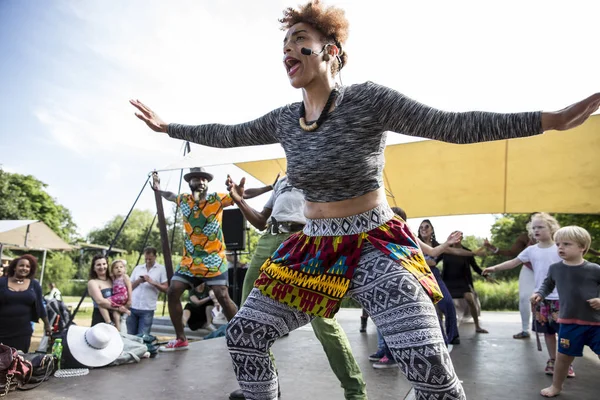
{"x":18,"y":342}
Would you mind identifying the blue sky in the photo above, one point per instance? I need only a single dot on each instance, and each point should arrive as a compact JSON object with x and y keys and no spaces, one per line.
{"x":68,"y":69}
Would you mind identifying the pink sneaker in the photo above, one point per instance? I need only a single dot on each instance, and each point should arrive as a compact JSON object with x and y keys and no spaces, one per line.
{"x":385,"y":363}
{"x":175,"y":345}
{"x":549,"y":370}
{"x":571,"y":373}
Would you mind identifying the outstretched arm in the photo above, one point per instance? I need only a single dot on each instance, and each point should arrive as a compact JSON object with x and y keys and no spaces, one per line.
{"x":255,"y":192}
{"x":518,"y":246}
{"x":446,"y":248}
{"x":459,"y":252}
{"x":432,"y":251}
{"x":397,"y":112}
{"x":252,"y":193}
{"x":168,"y":195}
{"x":155,"y":185}
{"x":514,"y":263}
{"x":455,"y":237}
{"x":594,"y":252}
{"x":257,"y":132}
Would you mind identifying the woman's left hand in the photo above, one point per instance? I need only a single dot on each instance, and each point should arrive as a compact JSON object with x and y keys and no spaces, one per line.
{"x":48,"y":330}
{"x":571,"y":116}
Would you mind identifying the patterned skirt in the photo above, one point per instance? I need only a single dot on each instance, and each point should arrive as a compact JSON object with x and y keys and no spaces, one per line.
{"x":312,"y":270}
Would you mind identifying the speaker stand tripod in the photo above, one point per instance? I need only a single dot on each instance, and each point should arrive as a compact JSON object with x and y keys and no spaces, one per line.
{"x":236,"y":298}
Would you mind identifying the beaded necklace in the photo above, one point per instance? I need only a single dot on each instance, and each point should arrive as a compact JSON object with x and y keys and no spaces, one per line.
{"x":324,"y":114}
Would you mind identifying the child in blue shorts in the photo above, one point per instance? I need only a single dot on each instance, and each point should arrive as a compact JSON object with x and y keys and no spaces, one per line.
{"x":578,"y":285}
{"x":541,"y":256}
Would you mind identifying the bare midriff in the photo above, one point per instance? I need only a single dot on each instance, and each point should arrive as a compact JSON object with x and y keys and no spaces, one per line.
{"x":345,"y":208}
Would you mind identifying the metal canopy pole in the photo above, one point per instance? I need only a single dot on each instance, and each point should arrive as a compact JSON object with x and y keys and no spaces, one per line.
{"x":43,"y":268}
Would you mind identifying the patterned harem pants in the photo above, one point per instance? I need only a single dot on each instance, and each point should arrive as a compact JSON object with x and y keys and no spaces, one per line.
{"x":396,"y":302}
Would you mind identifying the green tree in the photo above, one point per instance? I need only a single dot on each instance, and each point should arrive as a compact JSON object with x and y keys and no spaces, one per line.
{"x":472,"y":242}
{"x":251,"y":242}
{"x":25,"y":197}
{"x":60,"y":268}
{"x":591,"y":222}
{"x":133,"y":234}
{"x":175,"y":223}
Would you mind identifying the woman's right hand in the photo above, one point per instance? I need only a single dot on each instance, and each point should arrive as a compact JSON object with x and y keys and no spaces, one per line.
{"x":149,"y":117}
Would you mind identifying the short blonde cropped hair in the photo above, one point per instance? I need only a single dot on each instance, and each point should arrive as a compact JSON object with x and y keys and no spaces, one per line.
{"x":550,"y":221}
{"x":575,"y":234}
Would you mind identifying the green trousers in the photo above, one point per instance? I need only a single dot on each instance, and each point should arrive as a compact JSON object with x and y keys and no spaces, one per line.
{"x":328,"y":330}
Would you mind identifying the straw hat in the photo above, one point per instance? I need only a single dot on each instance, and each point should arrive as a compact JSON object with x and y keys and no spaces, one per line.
{"x":96,"y":346}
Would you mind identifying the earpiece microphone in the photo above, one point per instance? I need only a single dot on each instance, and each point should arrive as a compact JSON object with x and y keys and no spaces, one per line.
{"x":309,"y":52}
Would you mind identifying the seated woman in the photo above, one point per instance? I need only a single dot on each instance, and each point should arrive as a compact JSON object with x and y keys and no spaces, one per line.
{"x":100,"y":288}
{"x":198,"y":311}
{"x":21,"y":303}
{"x":54,"y":293}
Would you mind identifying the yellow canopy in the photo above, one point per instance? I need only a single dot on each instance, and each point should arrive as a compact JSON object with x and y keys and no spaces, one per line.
{"x":554,"y":172}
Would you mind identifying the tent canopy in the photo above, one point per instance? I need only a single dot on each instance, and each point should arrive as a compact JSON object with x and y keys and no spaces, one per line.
{"x":555,"y":172}
{"x":30,"y":234}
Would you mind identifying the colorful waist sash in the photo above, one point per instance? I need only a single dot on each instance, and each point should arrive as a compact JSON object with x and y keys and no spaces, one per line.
{"x":312,"y":270}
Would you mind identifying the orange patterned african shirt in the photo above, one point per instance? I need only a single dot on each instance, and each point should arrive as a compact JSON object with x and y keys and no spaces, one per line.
{"x":204,"y":246}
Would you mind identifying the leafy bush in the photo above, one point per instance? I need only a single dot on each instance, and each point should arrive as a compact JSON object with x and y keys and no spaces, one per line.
{"x":503,"y":296}
{"x":73,"y":287}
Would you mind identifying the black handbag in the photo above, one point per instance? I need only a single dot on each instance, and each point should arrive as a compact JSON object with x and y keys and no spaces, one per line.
{"x":43,"y":366}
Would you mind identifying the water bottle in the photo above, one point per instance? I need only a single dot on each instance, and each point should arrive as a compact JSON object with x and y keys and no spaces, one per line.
{"x":43,"y":347}
{"x":57,"y":349}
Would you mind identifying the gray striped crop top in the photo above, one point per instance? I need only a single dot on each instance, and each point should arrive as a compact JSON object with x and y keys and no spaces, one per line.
{"x":343,"y":158}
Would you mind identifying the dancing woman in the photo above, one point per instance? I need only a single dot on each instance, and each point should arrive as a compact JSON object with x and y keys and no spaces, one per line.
{"x":445,"y":306}
{"x":352,"y":243}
